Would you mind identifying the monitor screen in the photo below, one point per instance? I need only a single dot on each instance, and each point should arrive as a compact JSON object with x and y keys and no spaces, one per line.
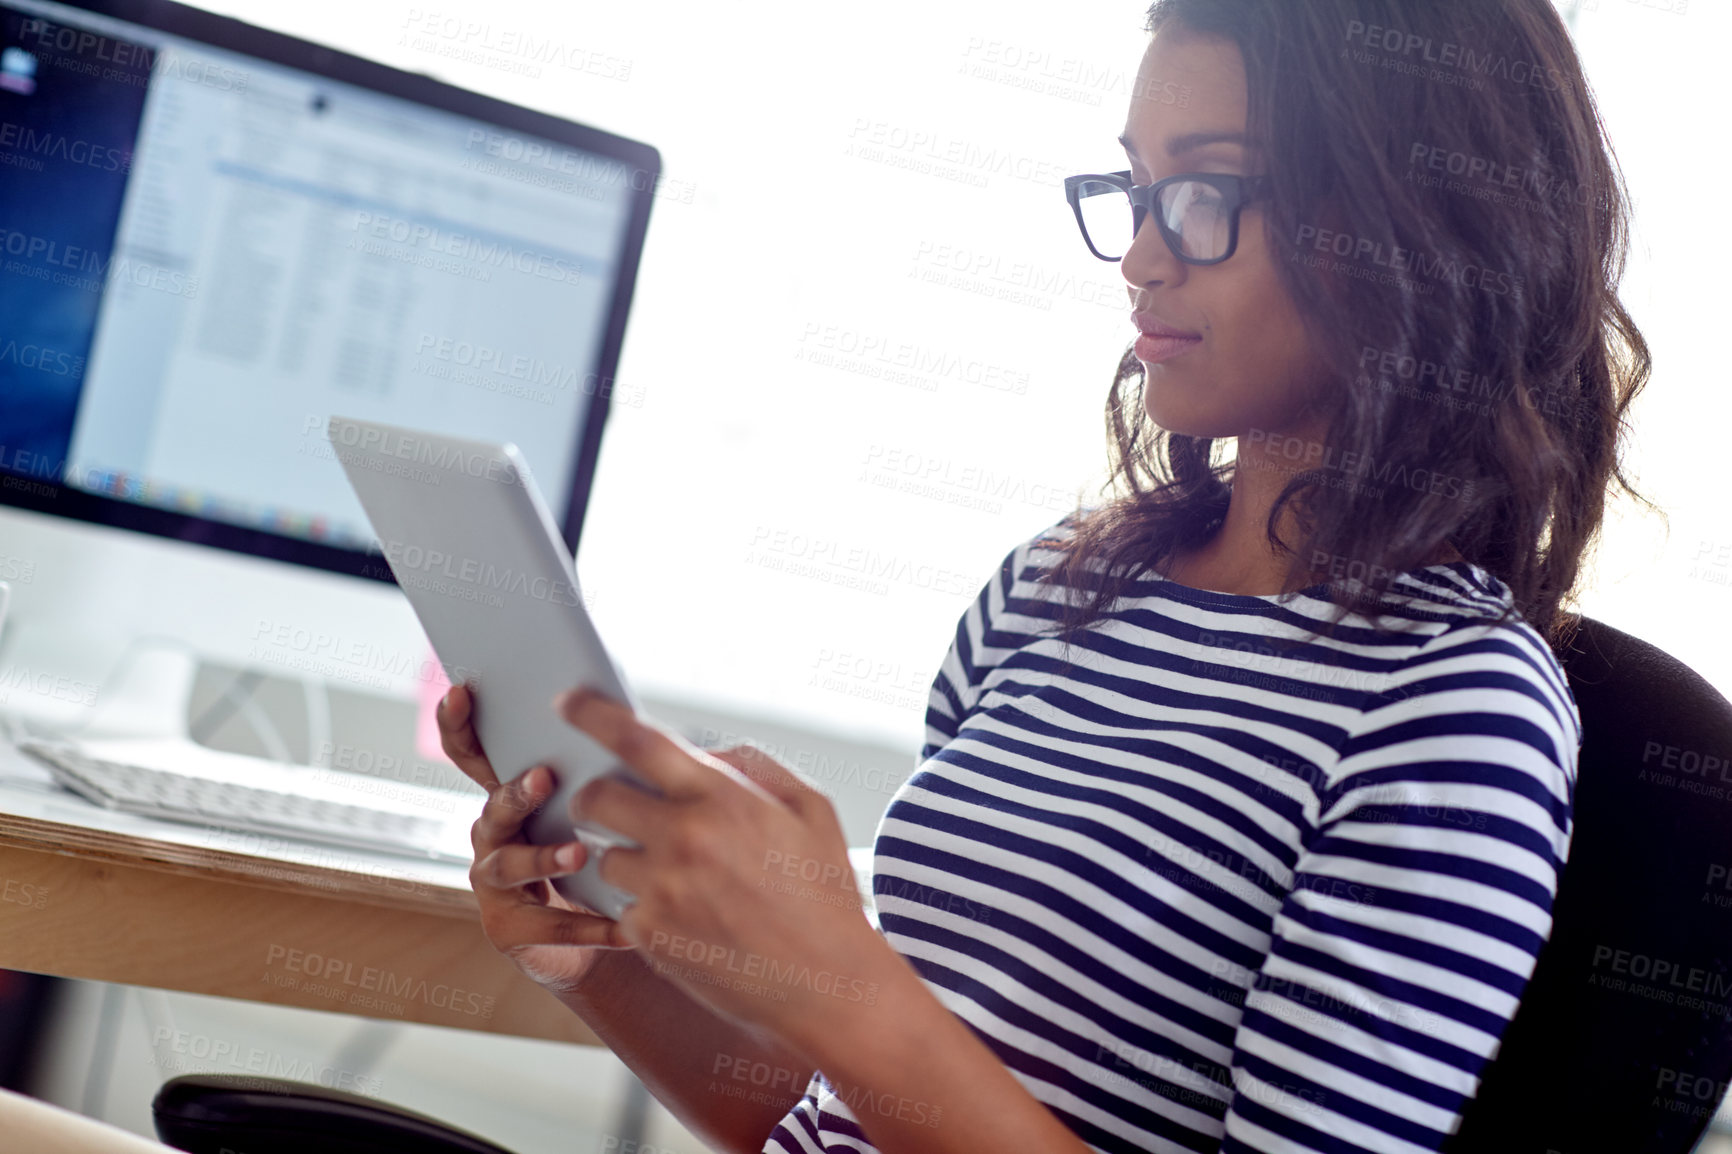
{"x":212,"y":237}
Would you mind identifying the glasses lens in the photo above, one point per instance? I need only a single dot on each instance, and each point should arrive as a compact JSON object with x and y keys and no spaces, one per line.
{"x":1197,"y":219}
{"x":1106,"y":217}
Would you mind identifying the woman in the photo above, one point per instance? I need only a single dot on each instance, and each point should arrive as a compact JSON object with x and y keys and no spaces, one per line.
{"x":1245,"y":794}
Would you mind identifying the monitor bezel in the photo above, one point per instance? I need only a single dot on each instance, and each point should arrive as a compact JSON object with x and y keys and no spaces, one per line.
{"x":225,"y":33}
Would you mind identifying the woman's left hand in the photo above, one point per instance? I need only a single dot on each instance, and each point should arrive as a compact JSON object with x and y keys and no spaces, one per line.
{"x":745,"y":895}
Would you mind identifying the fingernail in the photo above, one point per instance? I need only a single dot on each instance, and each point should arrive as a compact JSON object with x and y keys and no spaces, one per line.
{"x":566,"y":856}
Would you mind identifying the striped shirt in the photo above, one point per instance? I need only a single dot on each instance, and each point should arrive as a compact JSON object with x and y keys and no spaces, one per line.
{"x":1199,"y":891}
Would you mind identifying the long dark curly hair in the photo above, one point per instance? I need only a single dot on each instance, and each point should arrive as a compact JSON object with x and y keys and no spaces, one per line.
{"x":1502,"y":363}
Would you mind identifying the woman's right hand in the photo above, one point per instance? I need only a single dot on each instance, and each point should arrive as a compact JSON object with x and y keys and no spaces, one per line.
{"x":552,"y":941}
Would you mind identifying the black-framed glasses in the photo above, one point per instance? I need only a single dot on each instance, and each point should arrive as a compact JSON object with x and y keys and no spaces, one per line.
{"x":1197,"y":212}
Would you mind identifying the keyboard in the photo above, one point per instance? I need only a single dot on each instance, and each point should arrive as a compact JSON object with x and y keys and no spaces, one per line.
{"x":300,"y":808}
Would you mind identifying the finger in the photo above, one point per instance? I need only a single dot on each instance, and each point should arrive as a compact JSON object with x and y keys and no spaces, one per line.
{"x":455,"y":715}
{"x":771,"y":775}
{"x":517,"y":864}
{"x":625,"y":869}
{"x":525,"y":925}
{"x":620,"y":807}
{"x":655,"y":755}
{"x":508,"y":807}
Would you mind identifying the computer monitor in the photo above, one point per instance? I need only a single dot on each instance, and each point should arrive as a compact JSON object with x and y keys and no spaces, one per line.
{"x":214,"y":236}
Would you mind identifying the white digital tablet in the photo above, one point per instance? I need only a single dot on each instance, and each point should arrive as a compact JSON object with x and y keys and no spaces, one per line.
{"x":473,"y":546}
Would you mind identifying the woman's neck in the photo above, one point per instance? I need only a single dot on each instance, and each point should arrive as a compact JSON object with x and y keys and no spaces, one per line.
{"x":1238,"y":557}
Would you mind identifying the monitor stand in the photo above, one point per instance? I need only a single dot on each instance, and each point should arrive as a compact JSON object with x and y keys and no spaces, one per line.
{"x":146,"y":696}
{"x":143,"y":691}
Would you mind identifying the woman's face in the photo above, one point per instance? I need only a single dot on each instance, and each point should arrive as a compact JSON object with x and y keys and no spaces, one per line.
{"x":1254,"y":367}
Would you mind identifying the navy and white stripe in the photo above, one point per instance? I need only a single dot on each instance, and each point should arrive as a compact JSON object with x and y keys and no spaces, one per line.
{"x":1200,"y":891}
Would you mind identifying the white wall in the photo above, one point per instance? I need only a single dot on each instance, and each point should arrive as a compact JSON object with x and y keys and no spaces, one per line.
{"x":799,"y":236}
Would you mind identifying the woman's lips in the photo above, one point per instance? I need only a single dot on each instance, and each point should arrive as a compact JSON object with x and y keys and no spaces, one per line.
{"x":1152,"y":349}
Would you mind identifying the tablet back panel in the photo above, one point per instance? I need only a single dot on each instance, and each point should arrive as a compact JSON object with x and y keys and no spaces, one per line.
{"x":475,"y":549}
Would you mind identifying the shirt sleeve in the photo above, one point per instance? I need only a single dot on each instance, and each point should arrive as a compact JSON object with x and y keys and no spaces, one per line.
{"x":1418,"y":907}
{"x":957,"y":687}
{"x":989,"y":630}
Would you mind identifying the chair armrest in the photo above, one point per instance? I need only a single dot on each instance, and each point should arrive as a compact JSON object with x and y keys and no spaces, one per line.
{"x":35,"y":1127}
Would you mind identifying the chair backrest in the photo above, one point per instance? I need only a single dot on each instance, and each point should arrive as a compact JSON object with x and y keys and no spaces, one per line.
{"x":212,"y":1113}
{"x":1623,"y":1039}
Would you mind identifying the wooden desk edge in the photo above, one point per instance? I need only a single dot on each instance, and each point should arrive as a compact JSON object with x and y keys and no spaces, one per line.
{"x":113,"y":908}
{"x":246,"y":869}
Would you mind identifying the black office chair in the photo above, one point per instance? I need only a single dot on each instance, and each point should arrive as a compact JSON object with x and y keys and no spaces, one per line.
{"x":1581,"y":1065}
{"x":242,"y":1114}
{"x":1588,"y":1065}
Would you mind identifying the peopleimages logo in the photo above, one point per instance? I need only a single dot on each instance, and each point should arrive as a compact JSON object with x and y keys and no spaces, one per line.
{"x":1432,"y":266}
{"x":369,"y":984}
{"x":332,"y":654}
{"x":508,"y":49}
{"x":1410,"y":46}
{"x":46,"y":259}
{"x":57,"y":686}
{"x":487,"y":251}
{"x":57,"y":146}
{"x":390,"y":443}
{"x":752,"y":967}
{"x":1316,"y":455}
{"x":41,"y":358}
{"x":482,"y":574}
{"x":181,"y":1052}
{"x":83,"y":52}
